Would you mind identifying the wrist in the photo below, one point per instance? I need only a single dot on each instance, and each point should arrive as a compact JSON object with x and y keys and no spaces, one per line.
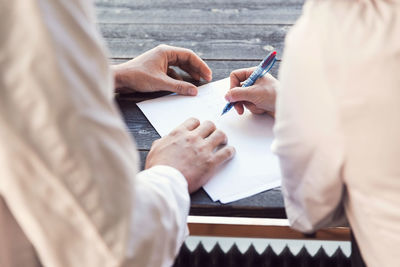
{"x":118,"y":77}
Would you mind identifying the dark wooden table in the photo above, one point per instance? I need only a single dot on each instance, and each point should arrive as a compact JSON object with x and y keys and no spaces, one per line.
{"x":227,"y":34}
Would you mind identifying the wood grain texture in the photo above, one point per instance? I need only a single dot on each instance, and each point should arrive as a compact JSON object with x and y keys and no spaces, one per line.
{"x":199,"y":12}
{"x":138,"y":125}
{"x":267,"y":204}
{"x":221,"y":42}
{"x":220,"y":69}
{"x":261,"y":231}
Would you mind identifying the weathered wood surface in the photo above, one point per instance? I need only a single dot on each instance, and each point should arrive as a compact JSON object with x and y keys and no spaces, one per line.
{"x":199,"y":12}
{"x":228,"y":34}
{"x":268,"y":204}
{"x":221,"y":69}
{"x":221,"y":42}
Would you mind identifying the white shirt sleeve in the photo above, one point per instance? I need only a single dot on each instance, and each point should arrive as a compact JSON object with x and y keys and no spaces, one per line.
{"x":67,"y":164}
{"x":308,"y":136}
{"x":161,"y":207}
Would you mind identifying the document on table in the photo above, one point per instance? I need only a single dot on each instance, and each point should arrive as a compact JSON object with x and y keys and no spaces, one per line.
{"x":253,"y":169}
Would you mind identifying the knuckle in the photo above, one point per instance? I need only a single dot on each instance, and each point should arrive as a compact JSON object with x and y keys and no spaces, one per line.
{"x":221,"y":135}
{"x":155,"y":143}
{"x":162,"y":47}
{"x":210,"y":161}
{"x":191,"y":138}
{"x":217,"y":135}
{"x":174,"y":132}
{"x":234,"y":93}
{"x":180,"y":88}
{"x":194,"y":120}
{"x":232,"y":75}
{"x":210,"y":124}
{"x":188,"y":139}
{"x":200,"y":149}
{"x":189,"y":51}
{"x":175,"y":143}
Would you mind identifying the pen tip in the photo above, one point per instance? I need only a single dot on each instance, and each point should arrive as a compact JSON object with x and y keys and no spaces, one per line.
{"x":225,"y":110}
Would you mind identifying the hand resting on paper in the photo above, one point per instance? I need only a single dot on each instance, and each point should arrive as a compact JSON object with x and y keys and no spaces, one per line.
{"x":151,"y":72}
{"x":192,"y":149}
{"x":258,"y":98}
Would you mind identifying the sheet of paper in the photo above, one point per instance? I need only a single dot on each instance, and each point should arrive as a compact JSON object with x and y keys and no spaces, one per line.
{"x":253,"y":169}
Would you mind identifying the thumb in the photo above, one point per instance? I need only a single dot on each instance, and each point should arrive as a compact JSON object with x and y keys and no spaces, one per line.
{"x":240,"y":94}
{"x":180,"y":87}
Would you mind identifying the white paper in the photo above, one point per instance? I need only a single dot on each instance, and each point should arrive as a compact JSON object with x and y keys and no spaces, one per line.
{"x":253,"y":169}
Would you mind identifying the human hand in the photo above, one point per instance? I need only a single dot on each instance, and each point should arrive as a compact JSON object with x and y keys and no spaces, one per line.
{"x":258,"y":98}
{"x":151,"y":71}
{"x":192,"y":149}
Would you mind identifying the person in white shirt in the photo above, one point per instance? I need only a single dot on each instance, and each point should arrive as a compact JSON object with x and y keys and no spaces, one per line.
{"x":70,"y":191}
{"x":337,"y":121}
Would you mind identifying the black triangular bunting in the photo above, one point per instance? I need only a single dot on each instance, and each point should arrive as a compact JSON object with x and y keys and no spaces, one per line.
{"x":199,"y":257}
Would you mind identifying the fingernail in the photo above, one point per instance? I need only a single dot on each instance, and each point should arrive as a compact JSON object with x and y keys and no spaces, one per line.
{"x":228,"y":97}
{"x":233,"y":152}
{"x":192,"y":91}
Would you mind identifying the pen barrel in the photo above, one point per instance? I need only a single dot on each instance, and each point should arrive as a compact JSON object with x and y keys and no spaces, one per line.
{"x":261,"y":69}
{"x":248,"y":82}
{"x":252,"y":78}
{"x":259,"y":72}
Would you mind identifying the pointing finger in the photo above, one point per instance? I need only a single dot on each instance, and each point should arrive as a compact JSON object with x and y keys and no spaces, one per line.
{"x":180,"y":87}
{"x":241,"y":94}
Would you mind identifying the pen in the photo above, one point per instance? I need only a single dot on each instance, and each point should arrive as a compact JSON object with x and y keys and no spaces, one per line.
{"x":261,"y":69}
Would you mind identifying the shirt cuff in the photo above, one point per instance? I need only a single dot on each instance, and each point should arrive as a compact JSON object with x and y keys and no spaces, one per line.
{"x":169,"y":173}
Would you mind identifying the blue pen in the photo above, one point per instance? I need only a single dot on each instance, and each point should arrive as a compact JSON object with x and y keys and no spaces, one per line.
{"x":261,"y":69}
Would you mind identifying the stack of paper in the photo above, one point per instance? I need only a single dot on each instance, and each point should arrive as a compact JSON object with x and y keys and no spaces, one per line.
{"x":253,"y":169}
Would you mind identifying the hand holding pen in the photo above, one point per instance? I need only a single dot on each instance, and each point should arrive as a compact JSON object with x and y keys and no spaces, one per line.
{"x":258,"y":98}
